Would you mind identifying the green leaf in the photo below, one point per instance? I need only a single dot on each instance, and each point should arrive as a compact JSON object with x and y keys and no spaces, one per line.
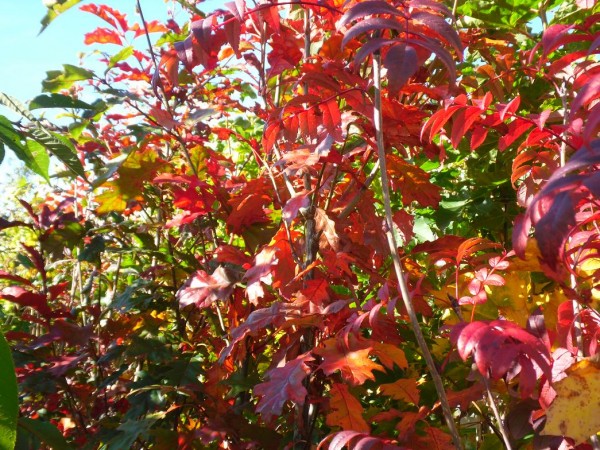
{"x":59,"y":7}
{"x":130,"y":430}
{"x":40,"y":162}
{"x":58,"y":101}
{"x":2,"y":152}
{"x":9,"y":397}
{"x":16,"y":106}
{"x":120,"y":56}
{"x":34,"y":157}
{"x":91,"y":252}
{"x":44,"y":431}
{"x":57,"y":80}
{"x":507,"y":14}
{"x":59,"y":147}
{"x":13,"y":139}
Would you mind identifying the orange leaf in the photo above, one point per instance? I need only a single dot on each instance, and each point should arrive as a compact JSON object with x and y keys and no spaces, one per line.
{"x":346,"y":410}
{"x":354,"y":365}
{"x":413,"y":182}
{"x":403,"y":389}
{"x":102,"y":36}
{"x":389,"y":355}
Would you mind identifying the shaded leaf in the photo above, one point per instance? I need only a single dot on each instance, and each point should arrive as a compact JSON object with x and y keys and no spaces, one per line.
{"x":203,"y":289}
{"x":403,"y":389}
{"x":284,"y":384}
{"x":346,"y":411}
{"x":9,"y":397}
{"x":44,"y":431}
{"x":58,"y":101}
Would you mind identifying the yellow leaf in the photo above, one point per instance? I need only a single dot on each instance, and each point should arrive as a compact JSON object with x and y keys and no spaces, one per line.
{"x":531,"y":263}
{"x":574,"y":411}
{"x":512,"y":298}
{"x":139,"y":168}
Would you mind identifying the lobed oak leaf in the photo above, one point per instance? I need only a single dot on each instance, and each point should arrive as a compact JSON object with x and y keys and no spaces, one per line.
{"x":258,"y":320}
{"x":403,"y":389}
{"x":434,"y":439}
{"x":326,"y":227}
{"x":413,"y":182}
{"x":284,"y":384}
{"x":261,"y":272}
{"x":354,"y":364}
{"x":153,"y":26}
{"x":294,"y":205}
{"x":202,"y":289}
{"x":103,"y":36}
{"x":346,"y":411}
{"x":316,"y":292}
{"x":139,"y":167}
{"x":574,"y":411}
{"x":112,"y":16}
{"x":356,"y":441}
{"x":247,"y":211}
{"x":389,"y":355}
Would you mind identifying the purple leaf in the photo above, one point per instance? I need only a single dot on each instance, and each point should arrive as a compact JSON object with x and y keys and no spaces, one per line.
{"x":441,"y":53}
{"x":368,"y":25}
{"x":371,"y":46}
{"x":366,"y":9}
{"x":401,"y":64}
{"x":441,"y":27}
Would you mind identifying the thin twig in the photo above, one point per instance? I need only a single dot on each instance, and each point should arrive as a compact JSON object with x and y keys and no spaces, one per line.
{"x":499,"y":421}
{"x":402,"y":285}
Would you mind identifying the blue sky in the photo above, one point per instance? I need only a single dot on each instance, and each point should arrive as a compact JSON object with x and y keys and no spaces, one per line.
{"x":25,"y":57}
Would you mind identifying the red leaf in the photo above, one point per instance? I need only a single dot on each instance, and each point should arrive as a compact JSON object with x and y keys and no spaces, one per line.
{"x":108,"y":14}
{"x":497,"y":347}
{"x":369,"y":25}
{"x":478,"y":135}
{"x":8,"y":276}
{"x":413,"y":182}
{"x":23,"y":297}
{"x":103,"y":36}
{"x":462,"y":123}
{"x":298,"y":202}
{"x":356,"y":441}
{"x":153,"y":26}
{"x":326,"y":227}
{"x":285,"y":384}
{"x":509,"y":109}
{"x":316,"y":291}
{"x":203,"y":289}
{"x":261,"y":272}
{"x":589,"y":92}
{"x":441,"y":28}
{"x":257,"y":321}
{"x":247,"y":210}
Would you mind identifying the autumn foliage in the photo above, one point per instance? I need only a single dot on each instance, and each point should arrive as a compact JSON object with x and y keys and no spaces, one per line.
{"x":256,"y":215}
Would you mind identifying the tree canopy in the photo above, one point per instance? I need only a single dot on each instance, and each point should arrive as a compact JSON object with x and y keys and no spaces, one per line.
{"x":309,"y":224}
